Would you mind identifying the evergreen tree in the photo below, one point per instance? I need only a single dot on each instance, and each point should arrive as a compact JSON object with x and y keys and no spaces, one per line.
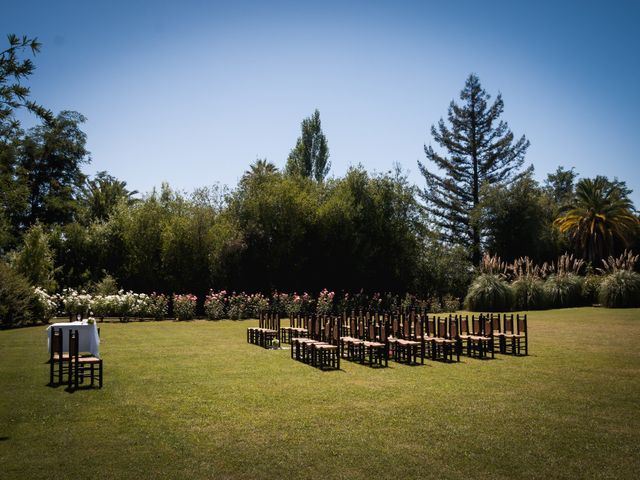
{"x":310,"y":157}
{"x":479,"y":151}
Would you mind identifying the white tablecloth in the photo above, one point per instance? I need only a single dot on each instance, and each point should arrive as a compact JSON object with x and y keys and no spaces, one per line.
{"x":87,"y":334}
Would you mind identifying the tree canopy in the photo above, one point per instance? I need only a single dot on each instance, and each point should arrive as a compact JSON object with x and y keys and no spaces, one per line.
{"x":310,"y":157}
{"x":480,"y":149}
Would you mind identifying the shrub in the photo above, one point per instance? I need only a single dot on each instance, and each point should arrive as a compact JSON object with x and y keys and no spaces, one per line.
{"x":529,"y":294}
{"x":75,"y":303}
{"x":620,"y":289}
{"x":215,"y":305}
{"x":590,"y":288}
{"x":489,"y":293}
{"x":564,"y":291}
{"x":450,"y":303}
{"x":18,"y":300}
{"x":158,"y":306}
{"x":106,"y":286}
{"x":184,"y":306}
{"x":325,"y":302}
{"x":47,"y":304}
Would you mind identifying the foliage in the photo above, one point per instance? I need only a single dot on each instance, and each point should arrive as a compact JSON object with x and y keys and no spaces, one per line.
{"x":626,"y":261}
{"x":19,"y":302}
{"x":184,"y":306}
{"x":479,"y":152}
{"x":13,"y":92}
{"x":600,"y":215}
{"x":517,"y":220}
{"x":563,"y":290}
{"x":101,"y":195}
{"x":489,"y":293}
{"x":215,"y":305}
{"x":34,"y":258}
{"x":620,"y":289}
{"x":591,"y":288}
{"x":529,"y":293}
{"x":310,"y":157}
{"x":324,"y":305}
{"x":52,"y":155}
{"x":106,"y":286}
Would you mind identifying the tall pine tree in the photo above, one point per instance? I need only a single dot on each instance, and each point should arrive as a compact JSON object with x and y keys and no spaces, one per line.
{"x":310,"y":157}
{"x":479,"y":151}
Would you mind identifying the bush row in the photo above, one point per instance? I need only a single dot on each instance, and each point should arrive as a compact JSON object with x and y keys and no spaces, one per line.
{"x":491,"y":292}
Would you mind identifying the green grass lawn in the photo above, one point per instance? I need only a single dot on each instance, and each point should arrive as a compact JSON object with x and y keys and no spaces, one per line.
{"x":194,"y":400}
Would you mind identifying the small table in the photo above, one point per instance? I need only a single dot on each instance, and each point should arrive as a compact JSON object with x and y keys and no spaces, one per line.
{"x":89,"y":341}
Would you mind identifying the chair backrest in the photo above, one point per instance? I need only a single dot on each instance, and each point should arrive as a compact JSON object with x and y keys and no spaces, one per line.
{"x":442,"y":327}
{"x":508,"y":324}
{"x":384,"y":326}
{"x":395,"y":331}
{"x":495,"y":322}
{"x":464,"y":324}
{"x":406,"y":328}
{"x":418,"y":328}
{"x":476,"y":324}
{"x":56,"y":342}
{"x":431,"y":325}
{"x":453,"y":327}
{"x":522,"y":323}
{"x":74,"y":344}
{"x":488,"y":330}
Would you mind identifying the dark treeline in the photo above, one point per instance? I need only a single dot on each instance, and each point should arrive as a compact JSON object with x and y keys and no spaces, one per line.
{"x":295,"y":228}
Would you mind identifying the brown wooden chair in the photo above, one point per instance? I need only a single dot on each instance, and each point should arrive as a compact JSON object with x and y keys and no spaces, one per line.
{"x":447,"y":341}
{"x":409,"y":345}
{"x":515,"y":338}
{"x":481,"y":340}
{"x":326,"y":352}
{"x":301,"y":346}
{"x":352,"y":345}
{"x":80,"y":367}
{"x":57,"y":357}
{"x":376,"y":351}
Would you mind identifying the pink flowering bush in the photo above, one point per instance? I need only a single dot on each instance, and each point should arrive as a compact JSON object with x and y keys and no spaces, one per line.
{"x":184,"y":306}
{"x":324,"y":305}
{"x":215,"y":305}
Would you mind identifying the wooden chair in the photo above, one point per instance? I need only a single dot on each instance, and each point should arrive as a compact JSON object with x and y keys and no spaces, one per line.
{"x":376,"y":346}
{"x":352,"y":345}
{"x":481,"y":341}
{"x":448,"y":341}
{"x":80,"y":367}
{"x":408,"y":346}
{"x":326,"y":352}
{"x":57,"y":357}
{"x":301,"y":346}
{"x":515,"y":338}
{"x":496,"y":327}
{"x":268,"y":329}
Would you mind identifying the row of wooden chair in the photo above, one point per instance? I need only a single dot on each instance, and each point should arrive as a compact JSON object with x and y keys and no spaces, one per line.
{"x":412,"y":337}
{"x":76,"y":367}
{"x":321,"y":346}
{"x":266,"y":332}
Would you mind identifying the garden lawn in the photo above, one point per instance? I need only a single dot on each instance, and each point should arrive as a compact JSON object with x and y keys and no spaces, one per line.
{"x":194,"y":400}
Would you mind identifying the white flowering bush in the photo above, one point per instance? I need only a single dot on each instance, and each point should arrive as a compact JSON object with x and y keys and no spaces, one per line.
{"x":48,"y":303}
{"x":75,"y":303}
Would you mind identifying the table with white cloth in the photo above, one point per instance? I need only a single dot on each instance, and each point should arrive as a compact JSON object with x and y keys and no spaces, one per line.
{"x":89,"y":341}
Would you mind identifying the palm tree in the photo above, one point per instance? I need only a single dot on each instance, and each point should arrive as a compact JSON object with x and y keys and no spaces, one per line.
{"x":599,"y":215}
{"x":102,"y":194}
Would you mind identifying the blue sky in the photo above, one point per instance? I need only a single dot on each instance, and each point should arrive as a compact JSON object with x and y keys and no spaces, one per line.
{"x":192,"y":92}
